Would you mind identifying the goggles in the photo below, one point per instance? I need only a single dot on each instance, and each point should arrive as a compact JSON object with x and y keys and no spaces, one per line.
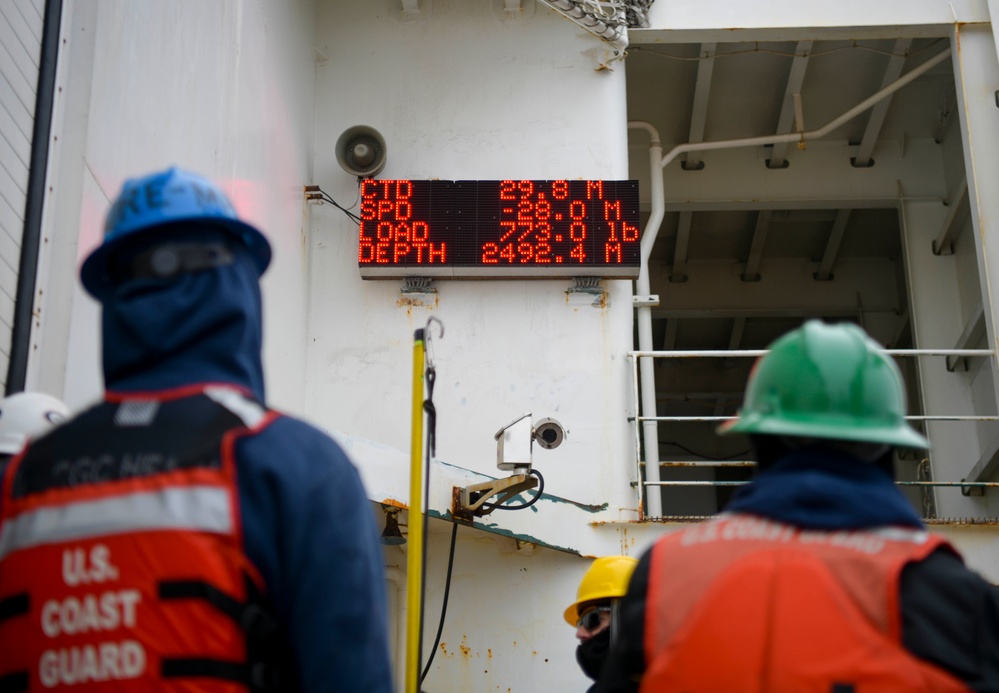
{"x":591,"y":619}
{"x":167,"y":260}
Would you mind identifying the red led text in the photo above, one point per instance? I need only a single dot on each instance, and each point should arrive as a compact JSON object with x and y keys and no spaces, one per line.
{"x":558,"y":222}
{"x":388,"y":233}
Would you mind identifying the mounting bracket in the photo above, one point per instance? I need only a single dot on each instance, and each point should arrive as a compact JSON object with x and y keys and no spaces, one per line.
{"x":468,"y":501}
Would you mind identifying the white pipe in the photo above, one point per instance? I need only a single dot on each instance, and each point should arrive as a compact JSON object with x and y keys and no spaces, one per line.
{"x":397,"y":577}
{"x":727,"y":353}
{"x":911,"y":417}
{"x":811,"y":134}
{"x":650,"y":433}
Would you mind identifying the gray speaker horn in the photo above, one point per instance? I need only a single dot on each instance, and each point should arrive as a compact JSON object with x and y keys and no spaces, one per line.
{"x":360,"y":151}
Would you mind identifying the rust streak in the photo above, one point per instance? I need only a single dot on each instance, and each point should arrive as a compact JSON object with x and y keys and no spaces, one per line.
{"x":410,"y":302}
{"x":693,"y":519}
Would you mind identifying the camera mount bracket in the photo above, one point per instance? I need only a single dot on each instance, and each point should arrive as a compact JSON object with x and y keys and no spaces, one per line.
{"x":468,"y":501}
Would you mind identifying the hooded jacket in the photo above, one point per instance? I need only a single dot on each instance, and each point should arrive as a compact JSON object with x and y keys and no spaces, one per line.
{"x":306,"y":522}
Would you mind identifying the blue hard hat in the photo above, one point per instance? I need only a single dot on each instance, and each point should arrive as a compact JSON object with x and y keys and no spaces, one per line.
{"x":164,"y":198}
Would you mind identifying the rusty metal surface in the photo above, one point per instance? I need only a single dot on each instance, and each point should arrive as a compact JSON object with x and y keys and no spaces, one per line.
{"x":962,"y":521}
{"x":457,"y":509}
{"x":944,"y":484}
{"x":935,"y":521}
{"x":712,"y":464}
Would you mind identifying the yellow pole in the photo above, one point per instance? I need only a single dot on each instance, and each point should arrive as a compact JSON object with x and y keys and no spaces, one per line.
{"x":414,"y":561}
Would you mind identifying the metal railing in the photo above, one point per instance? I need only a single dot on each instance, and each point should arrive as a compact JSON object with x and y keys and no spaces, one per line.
{"x":640,"y":417}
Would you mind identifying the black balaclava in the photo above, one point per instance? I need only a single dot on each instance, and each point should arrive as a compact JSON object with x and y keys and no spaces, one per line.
{"x":769,"y":449}
{"x":592,"y":653}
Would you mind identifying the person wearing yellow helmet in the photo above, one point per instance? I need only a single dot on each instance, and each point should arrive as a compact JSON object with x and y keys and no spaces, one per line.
{"x":819,"y":575}
{"x":602,"y":585}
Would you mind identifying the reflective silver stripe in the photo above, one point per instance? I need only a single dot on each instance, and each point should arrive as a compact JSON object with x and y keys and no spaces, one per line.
{"x":198,"y":508}
{"x":916,"y":536}
{"x":134,"y":413}
{"x":246,"y":409}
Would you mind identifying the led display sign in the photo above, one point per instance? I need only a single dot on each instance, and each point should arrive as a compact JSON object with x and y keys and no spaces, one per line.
{"x":499,"y":228}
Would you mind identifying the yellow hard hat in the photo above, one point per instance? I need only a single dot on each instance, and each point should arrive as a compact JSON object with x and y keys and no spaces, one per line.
{"x":606,"y":578}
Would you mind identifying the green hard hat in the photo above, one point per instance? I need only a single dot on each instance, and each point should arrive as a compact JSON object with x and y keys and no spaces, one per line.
{"x":827,"y":381}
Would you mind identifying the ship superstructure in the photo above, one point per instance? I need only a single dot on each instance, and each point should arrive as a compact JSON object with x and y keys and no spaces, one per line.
{"x":792,"y":161}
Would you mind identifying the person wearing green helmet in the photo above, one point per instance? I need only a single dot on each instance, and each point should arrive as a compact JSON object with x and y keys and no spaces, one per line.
{"x":819,"y":575}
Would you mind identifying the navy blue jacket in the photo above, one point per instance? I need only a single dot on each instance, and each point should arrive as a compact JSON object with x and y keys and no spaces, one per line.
{"x":307,"y":523}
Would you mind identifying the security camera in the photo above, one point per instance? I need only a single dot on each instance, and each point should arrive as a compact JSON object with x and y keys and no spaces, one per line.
{"x":515,"y":441}
{"x":514,"y":451}
{"x":513,"y":445}
{"x":549,"y":433}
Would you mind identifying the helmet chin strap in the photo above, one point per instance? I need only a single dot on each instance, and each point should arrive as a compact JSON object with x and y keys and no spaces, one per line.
{"x":615,"y":626}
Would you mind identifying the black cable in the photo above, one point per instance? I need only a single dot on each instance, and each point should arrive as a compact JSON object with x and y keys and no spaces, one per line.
{"x":431,"y":410}
{"x":353,"y":217}
{"x":431,"y":449}
{"x":702,"y":455}
{"x":447,"y":590}
{"x":428,"y":405}
{"x":350,"y":215}
{"x":537,"y":496}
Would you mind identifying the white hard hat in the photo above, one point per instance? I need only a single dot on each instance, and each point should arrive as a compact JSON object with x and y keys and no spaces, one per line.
{"x":27,"y":415}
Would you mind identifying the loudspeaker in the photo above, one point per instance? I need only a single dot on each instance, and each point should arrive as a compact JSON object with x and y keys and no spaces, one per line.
{"x":360,"y":151}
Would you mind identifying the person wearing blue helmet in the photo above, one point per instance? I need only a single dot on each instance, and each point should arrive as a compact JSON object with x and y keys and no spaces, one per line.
{"x":180,"y":534}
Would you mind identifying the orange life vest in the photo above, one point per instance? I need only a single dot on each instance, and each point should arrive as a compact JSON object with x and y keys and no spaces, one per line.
{"x":741,"y":604}
{"x":121,"y":560}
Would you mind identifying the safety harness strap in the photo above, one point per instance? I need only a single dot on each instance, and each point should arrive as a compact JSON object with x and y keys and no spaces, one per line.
{"x":15,"y":605}
{"x":197,"y":589}
{"x":264,"y":671}
{"x":14,"y":683}
{"x":11,"y":607}
{"x":258,"y":678}
{"x":212,"y":668}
